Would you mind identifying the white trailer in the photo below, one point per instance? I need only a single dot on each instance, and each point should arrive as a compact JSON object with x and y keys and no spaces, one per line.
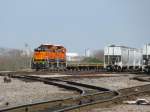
{"x":121,"y":57}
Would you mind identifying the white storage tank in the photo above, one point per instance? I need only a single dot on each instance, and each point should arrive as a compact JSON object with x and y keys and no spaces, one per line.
{"x":72,"y":57}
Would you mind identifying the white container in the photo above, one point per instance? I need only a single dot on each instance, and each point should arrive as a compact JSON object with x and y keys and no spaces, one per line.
{"x":122,"y":56}
{"x":146,"y":55}
{"x":146,"y":49}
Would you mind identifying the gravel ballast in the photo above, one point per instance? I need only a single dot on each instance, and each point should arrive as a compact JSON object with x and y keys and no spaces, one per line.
{"x":115,"y":83}
{"x":19,"y":92}
{"x":125,"y":107}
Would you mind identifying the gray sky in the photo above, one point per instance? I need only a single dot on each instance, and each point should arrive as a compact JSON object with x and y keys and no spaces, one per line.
{"x":76,"y":24}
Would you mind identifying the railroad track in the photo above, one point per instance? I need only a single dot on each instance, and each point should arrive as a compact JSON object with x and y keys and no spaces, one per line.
{"x":81,"y":88}
{"x":90,"y":96}
{"x":124,"y":94}
{"x":88,"y":93}
{"x":56,"y":72}
{"x":144,"y":78}
{"x":92,"y":101}
{"x":86,"y":72}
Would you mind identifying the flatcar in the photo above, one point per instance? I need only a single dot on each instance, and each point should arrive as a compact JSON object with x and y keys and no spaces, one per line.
{"x":85,"y":66}
{"x":122,"y":58}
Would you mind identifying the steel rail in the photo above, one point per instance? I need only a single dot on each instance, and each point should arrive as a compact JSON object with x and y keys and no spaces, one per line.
{"x":85,"y":96}
{"x":78,"y":103}
{"x":123,"y":95}
{"x":87,"y":101}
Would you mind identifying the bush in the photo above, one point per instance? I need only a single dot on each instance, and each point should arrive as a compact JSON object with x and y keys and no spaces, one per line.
{"x":91,"y":60}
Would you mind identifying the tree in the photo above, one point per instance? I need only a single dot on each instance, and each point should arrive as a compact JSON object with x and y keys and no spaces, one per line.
{"x":13,"y":59}
{"x":97,"y":57}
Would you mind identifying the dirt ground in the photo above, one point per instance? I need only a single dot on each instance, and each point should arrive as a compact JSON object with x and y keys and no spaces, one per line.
{"x":19,"y":92}
{"x":115,"y":83}
{"x":125,"y":107}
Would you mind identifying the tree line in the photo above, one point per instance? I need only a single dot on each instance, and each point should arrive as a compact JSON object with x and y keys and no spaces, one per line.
{"x":14,"y":59}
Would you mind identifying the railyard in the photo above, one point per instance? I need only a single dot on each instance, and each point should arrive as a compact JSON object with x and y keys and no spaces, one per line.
{"x":53,"y":84}
{"x":74,"y":56}
{"x":63,"y":92}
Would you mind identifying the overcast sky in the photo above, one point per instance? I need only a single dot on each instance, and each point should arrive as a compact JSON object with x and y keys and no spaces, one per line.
{"x":76,"y":24}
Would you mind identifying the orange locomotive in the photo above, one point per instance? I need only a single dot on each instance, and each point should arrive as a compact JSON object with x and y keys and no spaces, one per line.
{"x":49,"y":57}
